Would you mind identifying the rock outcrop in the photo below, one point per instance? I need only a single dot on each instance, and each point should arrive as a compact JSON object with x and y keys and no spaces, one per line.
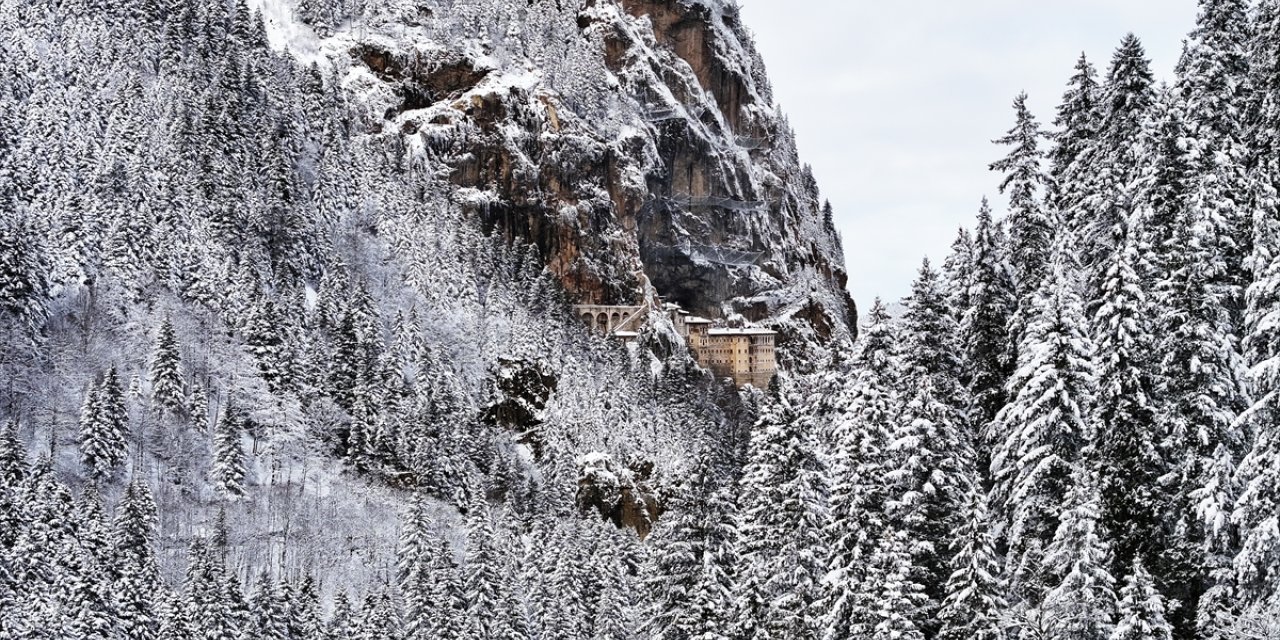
{"x":618,"y":494}
{"x":635,"y":142}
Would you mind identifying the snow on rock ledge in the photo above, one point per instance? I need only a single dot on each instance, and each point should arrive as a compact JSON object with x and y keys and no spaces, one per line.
{"x":617,"y":493}
{"x":635,"y":142}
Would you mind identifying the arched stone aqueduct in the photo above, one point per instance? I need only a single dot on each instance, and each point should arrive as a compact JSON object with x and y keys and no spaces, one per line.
{"x":609,"y":318}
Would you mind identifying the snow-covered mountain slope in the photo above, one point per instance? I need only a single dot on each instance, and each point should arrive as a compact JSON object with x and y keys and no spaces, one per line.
{"x":269,"y":279}
{"x":635,"y":143}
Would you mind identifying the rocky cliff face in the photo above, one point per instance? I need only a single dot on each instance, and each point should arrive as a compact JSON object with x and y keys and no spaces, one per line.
{"x":635,"y":142}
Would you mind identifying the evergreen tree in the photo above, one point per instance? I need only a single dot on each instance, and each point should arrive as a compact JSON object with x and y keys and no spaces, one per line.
{"x":868,"y":409}
{"x":342,"y":621}
{"x":228,"y":453}
{"x":1202,"y":387}
{"x":1078,"y":120}
{"x":1164,"y":189}
{"x":305,"y":620}
{"x":446,"y":593}
{"x":1213,"y":80}
{"x":265,"y":340}
{"x":104,"y":427}
{"x":1030,"y":224}
{"x":692,"y":562}
{"x":1127,"y":96}
{"x":783,"y":506}
{"x":1141,"y":609}
{"x":24,"y":285}
{"x":1127,"y":444}
{"x":891,"y":601}
{"x":415,"y":541}
{"x":957,"y":273}
{"x":137,"y":575}
{"x":1264,"y":132}
{"x":1083,"y":604}
{"x":239,"y":613}
{"x":482,"y":580}
{"x":985,"y":328}
{"x":13,"y":456}
{"x":268,"y":618}
{"x":1106,"y":193}
{"x":1044,"y":427}
{"x":205,"y":598}
{"x":166,"y":370}
{"x":929,"y":334}
{"x":930,"y":445}
{"x":83,"y":610}
{"x":1257,"y":562}
{"x":878,"y":354}
{"x":199,"y":407}
{"x":1195,"y":224}
{"x":378,"y":619}
{"x":174,"y":619}
{"x":974,"y":600}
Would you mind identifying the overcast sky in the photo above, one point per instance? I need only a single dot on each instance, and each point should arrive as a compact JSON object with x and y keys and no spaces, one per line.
{"x":895,"y":104}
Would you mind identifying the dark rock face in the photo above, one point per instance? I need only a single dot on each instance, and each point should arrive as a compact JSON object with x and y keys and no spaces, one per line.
{"x":660,"y":161}
{"x":522,"y":390}
{"x":618,"y":494}
{"x":689,"y":31}
{"x":421,"y":82}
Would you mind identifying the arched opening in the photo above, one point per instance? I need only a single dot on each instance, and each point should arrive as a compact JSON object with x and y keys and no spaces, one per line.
{"x":587,"y":318}
{"x":616,"y":320}
{"x":602,"y":322}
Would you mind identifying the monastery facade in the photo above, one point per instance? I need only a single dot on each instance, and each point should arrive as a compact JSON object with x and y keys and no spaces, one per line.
{"x":745,"y":354}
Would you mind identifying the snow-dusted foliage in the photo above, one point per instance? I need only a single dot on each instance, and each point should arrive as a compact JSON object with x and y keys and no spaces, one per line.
{"x":1117,"y":334}
{"x":288,"y":348}
{"x":258,"y":292}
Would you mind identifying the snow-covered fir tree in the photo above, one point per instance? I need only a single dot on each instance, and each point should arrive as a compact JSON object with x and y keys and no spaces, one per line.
{"x":228,"y":470}
{"x":784,"y":507}
{"x":1126,"y":449}
{"x":693,"y":563}
{"x":1081,"y":603}
{"x":1142,"y":609}
{"x":104,"y":426}
{"x":929,"y":450}
{"x":167,"y":388}
{"x":1257,"y":562}
{"x":860,"y":460}
{"x":985,"y":326}
{"x":1108,"y":174}
{"x":1030,"y":221}
{"x":1077,"y":120}
{"x":1213,"y":76}
{"x":974,"y":606}
{"x":1045,"y":427}
{"x":1203,"y":387}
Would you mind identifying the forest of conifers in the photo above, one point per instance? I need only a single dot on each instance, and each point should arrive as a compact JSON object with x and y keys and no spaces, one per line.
{"x":260,"y":377}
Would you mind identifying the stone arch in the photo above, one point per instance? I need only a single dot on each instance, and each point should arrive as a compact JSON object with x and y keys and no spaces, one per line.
{"x":602,"y":322}
{"x":615,"y":320}
{"x":589,"y":319}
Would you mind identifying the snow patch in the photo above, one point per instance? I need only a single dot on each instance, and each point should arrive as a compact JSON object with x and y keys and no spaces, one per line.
{"x":286,"y":32}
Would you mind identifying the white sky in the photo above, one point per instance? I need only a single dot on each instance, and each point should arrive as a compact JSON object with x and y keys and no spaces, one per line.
{"x":895,"y":103}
